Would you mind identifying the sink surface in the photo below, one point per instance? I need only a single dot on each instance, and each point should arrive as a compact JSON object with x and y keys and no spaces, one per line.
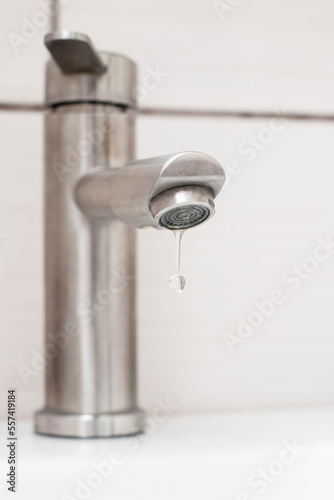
{"x":272,"y":455}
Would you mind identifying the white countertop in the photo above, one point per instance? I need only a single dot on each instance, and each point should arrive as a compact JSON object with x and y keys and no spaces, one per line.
{"x":208,"y":456}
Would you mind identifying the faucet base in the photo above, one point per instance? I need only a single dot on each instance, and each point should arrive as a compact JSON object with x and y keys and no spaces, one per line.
{"x":61,"y":424}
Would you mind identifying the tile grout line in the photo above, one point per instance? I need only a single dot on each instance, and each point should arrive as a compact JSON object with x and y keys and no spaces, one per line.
{"x":21,"y":106}
{"x":184,"y":113}
{"x":211,"y":113}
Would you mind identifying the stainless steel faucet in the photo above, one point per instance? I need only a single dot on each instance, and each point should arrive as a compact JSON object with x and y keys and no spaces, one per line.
{"x":95,"y":197}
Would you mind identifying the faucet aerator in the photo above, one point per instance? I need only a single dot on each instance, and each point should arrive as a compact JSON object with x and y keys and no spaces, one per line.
{"x":183,"y":207}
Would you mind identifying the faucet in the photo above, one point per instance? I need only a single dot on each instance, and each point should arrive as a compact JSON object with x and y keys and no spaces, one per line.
{"x":96,"y":195}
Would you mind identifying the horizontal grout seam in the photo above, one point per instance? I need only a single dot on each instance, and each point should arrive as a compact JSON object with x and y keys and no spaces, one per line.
{"x":195,"y":113}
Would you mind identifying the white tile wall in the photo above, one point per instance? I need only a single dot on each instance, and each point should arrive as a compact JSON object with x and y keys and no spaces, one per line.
{"x":21,"y":255}
{"x":268,"y":219}
{"x":22,"y":27}
{"x":264,"y":55}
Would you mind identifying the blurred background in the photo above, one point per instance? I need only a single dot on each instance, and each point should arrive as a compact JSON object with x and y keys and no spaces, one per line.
{"x":227,"y":78}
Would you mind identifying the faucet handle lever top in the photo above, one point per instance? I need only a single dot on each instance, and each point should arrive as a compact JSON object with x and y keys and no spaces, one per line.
{"x":74,"y":52}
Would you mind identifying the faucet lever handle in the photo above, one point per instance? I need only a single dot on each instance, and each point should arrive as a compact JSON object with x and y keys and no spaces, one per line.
{"x":74,"y":52}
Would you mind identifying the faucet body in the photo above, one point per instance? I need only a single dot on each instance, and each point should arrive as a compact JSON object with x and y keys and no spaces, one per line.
{"x":89,"y":281}
{"x":95,"y":197}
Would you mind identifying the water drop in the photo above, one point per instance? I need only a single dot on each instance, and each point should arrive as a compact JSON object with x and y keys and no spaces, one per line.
{"x":177,"y":281}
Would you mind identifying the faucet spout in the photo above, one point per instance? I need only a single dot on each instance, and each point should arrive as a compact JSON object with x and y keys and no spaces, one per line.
{"x":173,"y":191}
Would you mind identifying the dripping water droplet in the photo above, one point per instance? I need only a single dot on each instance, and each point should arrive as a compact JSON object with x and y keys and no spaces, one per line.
{"x":177,"y":281}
